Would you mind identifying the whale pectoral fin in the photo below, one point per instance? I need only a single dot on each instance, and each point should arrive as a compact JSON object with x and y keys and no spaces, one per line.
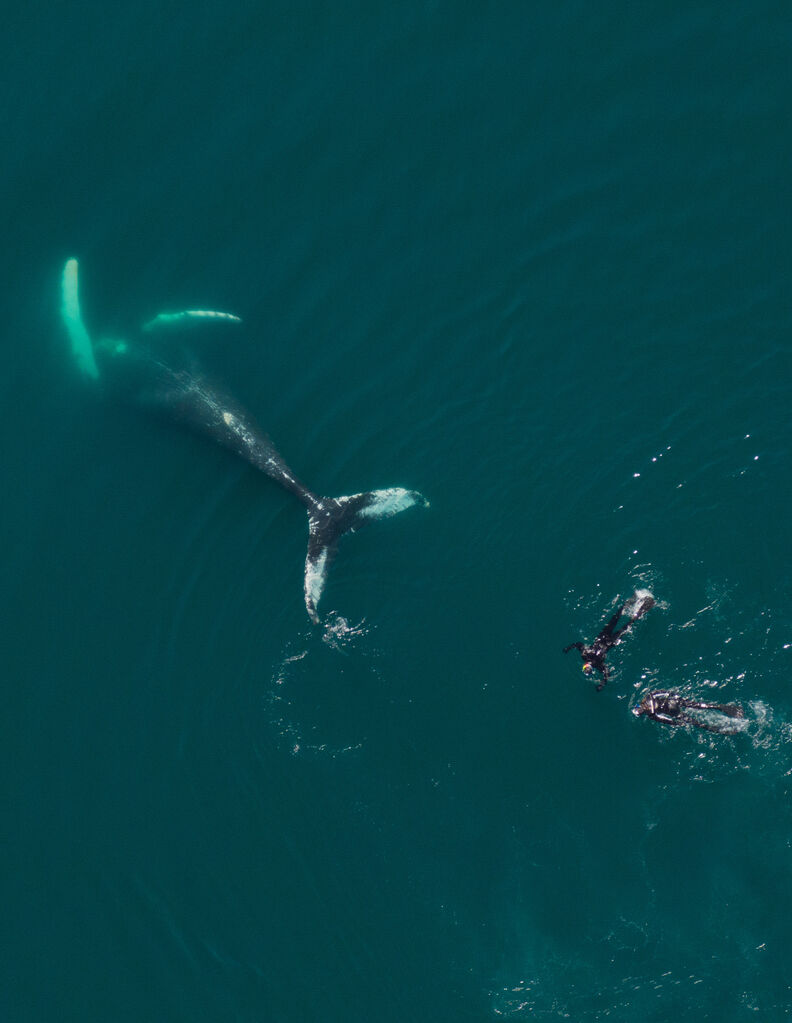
{"x":82,"y":348}
{"x":188,"y":316}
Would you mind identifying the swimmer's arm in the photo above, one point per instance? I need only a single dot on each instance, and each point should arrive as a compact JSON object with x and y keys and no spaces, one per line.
{"x":603,"y":670}
{"x":572,"y":646}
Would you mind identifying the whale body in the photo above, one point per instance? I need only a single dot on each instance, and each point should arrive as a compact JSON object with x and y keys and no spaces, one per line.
{"x":190,"y":399}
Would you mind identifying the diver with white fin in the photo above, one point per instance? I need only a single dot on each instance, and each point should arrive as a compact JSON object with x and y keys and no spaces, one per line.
{"x":671,"y":708}
{"x":185,"y":395}
{"x":594,"y":654}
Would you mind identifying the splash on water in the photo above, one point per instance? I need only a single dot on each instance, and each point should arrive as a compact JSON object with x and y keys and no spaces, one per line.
{"x":285,"y":691}
{"x":339,"y":634}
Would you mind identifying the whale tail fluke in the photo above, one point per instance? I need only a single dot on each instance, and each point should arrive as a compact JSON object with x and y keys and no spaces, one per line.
{"x":330,"y":517}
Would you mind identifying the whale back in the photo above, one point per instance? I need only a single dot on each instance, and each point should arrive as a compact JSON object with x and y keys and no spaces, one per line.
{"x":185,"y":395}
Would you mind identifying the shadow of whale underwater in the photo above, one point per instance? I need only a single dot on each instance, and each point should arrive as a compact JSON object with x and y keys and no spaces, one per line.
{"x":191,"y":400}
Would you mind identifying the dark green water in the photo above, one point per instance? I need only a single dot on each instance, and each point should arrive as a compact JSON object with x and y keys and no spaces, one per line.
{"x":533,"y":260}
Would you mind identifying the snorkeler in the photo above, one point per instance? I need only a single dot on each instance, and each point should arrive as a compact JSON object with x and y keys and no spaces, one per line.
{"x":594,"y":655}
{"x":670,"y":708}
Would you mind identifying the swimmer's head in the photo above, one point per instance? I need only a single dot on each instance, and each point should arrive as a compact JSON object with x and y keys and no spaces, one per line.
{"x":646,"y":706}
{"x":587,"y":668}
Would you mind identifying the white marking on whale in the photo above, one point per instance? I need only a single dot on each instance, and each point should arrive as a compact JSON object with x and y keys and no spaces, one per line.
{"x":315,"y":578}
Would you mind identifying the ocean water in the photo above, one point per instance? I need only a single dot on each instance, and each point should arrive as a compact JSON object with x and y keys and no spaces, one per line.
{"x":531,"y":260}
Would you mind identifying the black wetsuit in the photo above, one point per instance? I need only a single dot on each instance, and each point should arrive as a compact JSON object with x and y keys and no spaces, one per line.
{"x":595,"y":653}
{"x":669,"y":708}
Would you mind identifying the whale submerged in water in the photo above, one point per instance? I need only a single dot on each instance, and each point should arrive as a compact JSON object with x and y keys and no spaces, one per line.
{"x":190,"y":399}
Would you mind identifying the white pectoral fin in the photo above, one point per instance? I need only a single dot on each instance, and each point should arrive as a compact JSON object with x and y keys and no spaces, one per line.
{"x":82,"y":349}
{"x":188,"y":316}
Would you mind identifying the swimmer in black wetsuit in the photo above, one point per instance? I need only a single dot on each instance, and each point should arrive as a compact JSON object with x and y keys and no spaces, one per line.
{"x":594,"y":655}
{"x":671,"y":708}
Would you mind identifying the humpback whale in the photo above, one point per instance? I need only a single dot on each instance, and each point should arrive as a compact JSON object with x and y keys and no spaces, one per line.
{"x":186,"y":396}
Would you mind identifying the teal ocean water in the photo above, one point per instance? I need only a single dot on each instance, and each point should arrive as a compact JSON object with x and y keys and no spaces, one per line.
{"x":531,"y":260}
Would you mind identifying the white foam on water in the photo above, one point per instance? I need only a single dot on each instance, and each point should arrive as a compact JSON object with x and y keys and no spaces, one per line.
{"x":339,"y":633}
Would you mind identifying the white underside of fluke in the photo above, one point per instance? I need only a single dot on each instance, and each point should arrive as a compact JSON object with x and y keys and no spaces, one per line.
{"x":315,"y":579}
{"x":390,"y":501}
